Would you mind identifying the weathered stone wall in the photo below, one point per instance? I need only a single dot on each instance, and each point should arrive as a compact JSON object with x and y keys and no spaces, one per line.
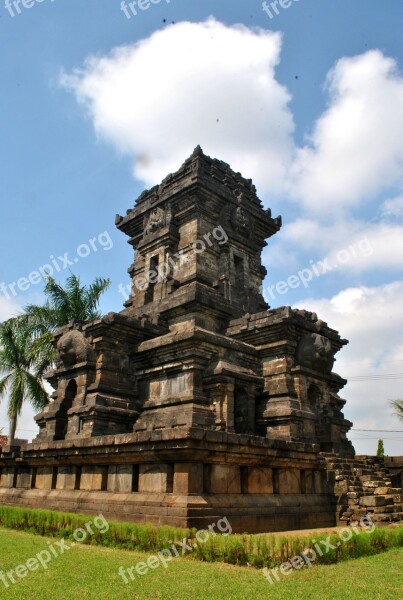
{"x":363,"y":486}
{"x":183,"y":477}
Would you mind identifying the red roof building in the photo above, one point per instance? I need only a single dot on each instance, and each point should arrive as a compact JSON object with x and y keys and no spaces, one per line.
{"x":4,"y":441}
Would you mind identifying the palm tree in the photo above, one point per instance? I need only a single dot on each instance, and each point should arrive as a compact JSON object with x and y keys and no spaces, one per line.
{"x":26,"y":350}
{"x":22,"y":365}
{"x":398,"y":406}
{"x":72,"y":303}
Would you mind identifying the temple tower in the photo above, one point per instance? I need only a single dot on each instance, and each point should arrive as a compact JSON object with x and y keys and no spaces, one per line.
{"x":198,"y":239}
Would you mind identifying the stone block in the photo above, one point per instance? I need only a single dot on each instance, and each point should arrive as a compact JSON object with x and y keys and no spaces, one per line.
{"x":381,"y":518}
{"x":156,"y":478}
{"x":92,"y":478}
{"x":289,"y":481}
{"x":373,"y":501}
{"x":188,"y":478}
{"x":260,"y":480}
{"x":66,"y":478}
{"x":387,"y":490}
{"x":225,"y":479}
{"x":320,"y":482}
{"x":341,"y":488}
{"x":24,"y":478}
{"x":44,"y":478}
{"x":309,"y":482}
{"x":372,"y":484}
{"x":120,"y":479}
{"x":384,"y":509}
{"x":7,"y":477}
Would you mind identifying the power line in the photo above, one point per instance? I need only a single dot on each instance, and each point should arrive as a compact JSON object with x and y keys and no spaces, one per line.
{"x":380,"y":430}
{"x":380,"y":377}
{"x":27,"y":430}
{"x":368,"y":439}
{"x":368,"y":362}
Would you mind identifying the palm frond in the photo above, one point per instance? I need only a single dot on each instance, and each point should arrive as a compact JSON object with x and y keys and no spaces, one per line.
{"x":44,"y":354}
{"x":92,"y":296}
{"x":4,"y":384}
{"x":10,"y":343}
{"x":398,"y":408}
{"x":75,"y":294}
{"x":41,"y":318}
{"x":59,"y":299}
{"x":36,"y":393}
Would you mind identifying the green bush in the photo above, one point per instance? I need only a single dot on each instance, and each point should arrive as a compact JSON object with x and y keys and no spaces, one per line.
{"x":129,"y":536}
{"x":263,"y":550}
{"x":381,"y":449}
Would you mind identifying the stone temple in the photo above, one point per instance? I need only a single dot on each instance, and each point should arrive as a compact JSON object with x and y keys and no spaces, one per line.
{"x":198,"y":401}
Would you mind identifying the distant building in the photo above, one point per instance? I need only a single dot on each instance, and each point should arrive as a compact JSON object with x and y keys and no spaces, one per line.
{"x":4,"y":441}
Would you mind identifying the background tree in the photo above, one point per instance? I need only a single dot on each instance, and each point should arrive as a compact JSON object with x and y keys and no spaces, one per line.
{"x":380,"y":450}
{"x":22,"y":365}
{"x":71,"y":303}
{"x":398,"y":408}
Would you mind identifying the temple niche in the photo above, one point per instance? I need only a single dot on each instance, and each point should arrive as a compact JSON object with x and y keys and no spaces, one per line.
{"x":197,"y":400}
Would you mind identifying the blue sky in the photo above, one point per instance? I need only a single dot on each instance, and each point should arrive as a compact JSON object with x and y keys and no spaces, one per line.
{"x":313,"y":113}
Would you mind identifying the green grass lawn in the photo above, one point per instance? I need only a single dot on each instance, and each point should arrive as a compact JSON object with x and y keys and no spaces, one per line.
{"x":90,"y":572}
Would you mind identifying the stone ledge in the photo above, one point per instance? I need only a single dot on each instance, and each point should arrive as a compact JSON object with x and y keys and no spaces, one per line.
{"x":116,"y":444}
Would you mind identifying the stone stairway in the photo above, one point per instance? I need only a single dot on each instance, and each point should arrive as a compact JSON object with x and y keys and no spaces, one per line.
{"x":362,"y":486}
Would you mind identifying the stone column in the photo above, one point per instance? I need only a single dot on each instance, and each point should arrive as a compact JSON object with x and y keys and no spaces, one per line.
{"x":218,"y":399}
{"x":251,"y":389}
{"x":222,"y":395}
{"x":229,"y":406}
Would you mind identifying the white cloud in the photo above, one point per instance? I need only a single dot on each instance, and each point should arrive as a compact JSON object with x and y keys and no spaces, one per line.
{"x":188,"y":84}
{"x":354,"y":246}
{"x":213,"y":84}
{"x":372,"y":320}
{"x":356,"y":149}
{"x":392,"y":209}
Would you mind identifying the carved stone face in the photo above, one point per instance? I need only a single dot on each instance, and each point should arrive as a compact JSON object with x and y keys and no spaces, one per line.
{"x":315,"y":352}
{"x":155,"y":220}
{"x":155,"y":216}
{"x":73,"y":348}
{"x":241,"y":218}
